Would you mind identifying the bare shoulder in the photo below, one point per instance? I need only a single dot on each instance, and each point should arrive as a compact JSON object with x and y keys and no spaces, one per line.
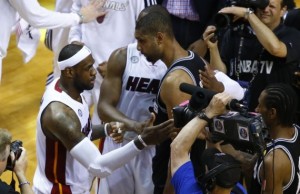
{"x":118,"y":55}
{"x":174,"y":79}
{"x":60,"y":122}
{"x":117,"y":62}
{"x":279,"y":162}
{"x":170,"y":92}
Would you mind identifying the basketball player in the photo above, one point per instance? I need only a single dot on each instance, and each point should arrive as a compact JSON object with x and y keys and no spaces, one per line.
{"x":67,"y":159}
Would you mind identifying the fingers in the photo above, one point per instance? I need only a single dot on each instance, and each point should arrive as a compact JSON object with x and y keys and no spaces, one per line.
{"x":117,"y":137}
{"x":209,"y":30}
{"x":117,"y":127}
{"x":152,"y":119}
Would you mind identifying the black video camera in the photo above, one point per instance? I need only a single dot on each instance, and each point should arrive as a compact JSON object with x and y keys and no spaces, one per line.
{"x":242,"y":129}
{"x":15,"y":148}
{"x":222,"y":20}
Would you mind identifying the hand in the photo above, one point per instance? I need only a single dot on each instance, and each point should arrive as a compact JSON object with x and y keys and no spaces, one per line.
{"x":116,"y":131}
{"x":217,"y":105}
{"x":102,"y":68}
{"x":209,"y":81}
{"x":210,"y":38}
{"x":199,"y":47}
{"x":156,"y":134}
{"x":93,"y":10}
{"x":238,"y":12}
{"x":21,"y":163}
{"x":138,"y":127}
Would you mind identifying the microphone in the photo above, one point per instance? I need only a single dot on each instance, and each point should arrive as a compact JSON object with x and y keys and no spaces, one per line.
{"x":191,"y":89}
{"x":204,"y":96}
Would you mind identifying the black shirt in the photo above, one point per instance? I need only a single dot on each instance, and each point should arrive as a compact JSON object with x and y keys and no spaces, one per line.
{"x":246,"y":59}
{"x":6,"y":189}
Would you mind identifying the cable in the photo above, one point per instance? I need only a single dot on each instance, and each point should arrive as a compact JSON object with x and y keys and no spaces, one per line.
{"x":273,"y":165}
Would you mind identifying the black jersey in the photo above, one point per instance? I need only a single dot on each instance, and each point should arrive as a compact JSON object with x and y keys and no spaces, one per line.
{"x":190,"y":65}
{"x":292,"y":149}
{"x":246,"y":59}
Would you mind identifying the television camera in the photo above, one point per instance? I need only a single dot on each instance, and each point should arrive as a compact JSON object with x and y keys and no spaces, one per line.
{"x":242,"y":129}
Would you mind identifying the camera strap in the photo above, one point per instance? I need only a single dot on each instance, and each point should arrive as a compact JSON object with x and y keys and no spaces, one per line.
{"x":238,"y":66}
{"x":13,"y":182}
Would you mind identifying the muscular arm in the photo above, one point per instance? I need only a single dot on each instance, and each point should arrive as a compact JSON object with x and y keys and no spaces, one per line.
{"x":170,"y":93}
{"x":279,"y":164}
{"x":111,"y":89}
{"x":59,"y":122}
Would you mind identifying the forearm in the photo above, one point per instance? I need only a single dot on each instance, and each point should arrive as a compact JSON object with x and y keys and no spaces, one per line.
{"x":183,"y":142}
{"x":103,"y":165}
{"x":75,"y":33}
{"x":24,"y":184}
{"x":40,"y":17}
{"x":266,"y":37}
{"x":216,"y":61}
{"x":110,"y":113}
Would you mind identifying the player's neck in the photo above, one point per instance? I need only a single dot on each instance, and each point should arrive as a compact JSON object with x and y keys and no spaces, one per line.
{"x":280,"y":131}
{"x":71,"y":91}
{"x":174,"y":53}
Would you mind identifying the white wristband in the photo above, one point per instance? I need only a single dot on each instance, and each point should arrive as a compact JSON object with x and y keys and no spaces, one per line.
{"x":105,"y":129}
{"x":81,"y":18}
{"x":142,"y":141}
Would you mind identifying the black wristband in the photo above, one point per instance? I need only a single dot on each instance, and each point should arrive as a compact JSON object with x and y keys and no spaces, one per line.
{"x":203,"y":116}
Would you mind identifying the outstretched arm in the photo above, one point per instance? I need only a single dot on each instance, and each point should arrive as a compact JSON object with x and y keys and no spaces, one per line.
{"x":60,"y":123}
{"x":40,"y":17}
{"x":182,"y":144}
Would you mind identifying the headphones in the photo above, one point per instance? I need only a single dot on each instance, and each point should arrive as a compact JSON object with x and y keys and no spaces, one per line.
{"x":208,"y":181}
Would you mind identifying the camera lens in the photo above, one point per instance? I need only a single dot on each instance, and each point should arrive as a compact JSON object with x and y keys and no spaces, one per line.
{"x":222,"y":20}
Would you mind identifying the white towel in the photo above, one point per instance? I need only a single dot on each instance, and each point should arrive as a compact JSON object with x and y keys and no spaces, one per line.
{"x":27,"y":39}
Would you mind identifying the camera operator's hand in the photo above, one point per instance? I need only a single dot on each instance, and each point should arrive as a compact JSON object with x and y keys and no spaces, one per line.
{"x":217,"y":105}
{"x":238,"y":12}
{"x":209,"y":37}
{"x":21,"y":163}
{"x":20,"y":170}
{"x":209,"y":80}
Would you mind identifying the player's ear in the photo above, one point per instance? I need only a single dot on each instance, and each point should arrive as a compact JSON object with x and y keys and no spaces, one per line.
{"x":68,"y":72}
{"x":160,"y":37}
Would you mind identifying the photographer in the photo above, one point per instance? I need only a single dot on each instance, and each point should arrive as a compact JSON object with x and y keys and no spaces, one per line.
{"x":19,"y":167}
{"x":183,"y":178}
{"x":257,"y":52}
